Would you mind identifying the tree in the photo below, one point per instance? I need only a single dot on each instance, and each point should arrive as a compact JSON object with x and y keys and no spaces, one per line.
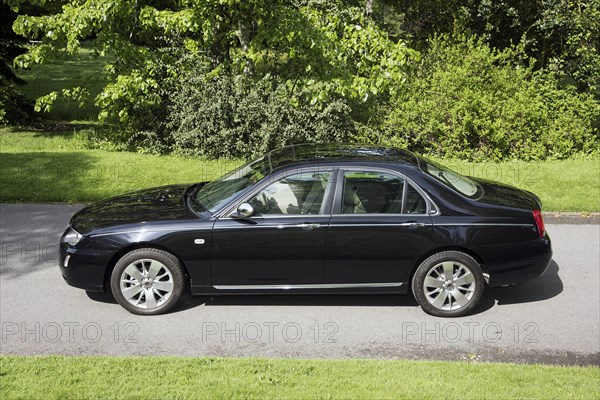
{"x":471,"y":101}
{"x":14,"y":107}
{"x":321,"y":49}
{"x":561,"y":35}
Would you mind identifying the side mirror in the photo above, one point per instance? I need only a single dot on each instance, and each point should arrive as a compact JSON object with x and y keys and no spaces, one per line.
{"x":245,"y":210}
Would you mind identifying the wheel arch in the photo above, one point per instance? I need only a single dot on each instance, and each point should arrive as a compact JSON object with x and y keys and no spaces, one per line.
{"x":431,"y":252}
{"x":141,"y":245}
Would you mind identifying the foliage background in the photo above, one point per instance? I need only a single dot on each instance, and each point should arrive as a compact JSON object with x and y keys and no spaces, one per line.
{"x":470,"y":79}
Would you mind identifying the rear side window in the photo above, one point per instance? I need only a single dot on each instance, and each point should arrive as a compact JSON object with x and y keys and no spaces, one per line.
{"x":371,"y":192}
{"x":415,"y":203}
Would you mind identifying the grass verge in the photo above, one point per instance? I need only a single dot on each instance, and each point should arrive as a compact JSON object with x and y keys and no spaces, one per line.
{"x":53,"y":377}
{"x":39,"y":167}
{"x":563,"y":185}
{"x":46,"y":167}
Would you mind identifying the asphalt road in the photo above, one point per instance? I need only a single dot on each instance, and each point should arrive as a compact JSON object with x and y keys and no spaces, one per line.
{"x":552,"y":320}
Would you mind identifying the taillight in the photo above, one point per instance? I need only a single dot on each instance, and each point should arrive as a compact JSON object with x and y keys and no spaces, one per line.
{"x":539,"y":222}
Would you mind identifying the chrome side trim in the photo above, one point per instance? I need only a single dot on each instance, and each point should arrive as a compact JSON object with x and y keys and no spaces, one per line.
{"x":389,"y":215}
{"x":282,"y":216}
{"x":482,"y":224}
{"x":309,"y":286}
{"x":400,"y":224}
{"x":273,"y":225}
{"x":434,"y":224}
{"x":290,"y":225}
{"x":208,"y":228}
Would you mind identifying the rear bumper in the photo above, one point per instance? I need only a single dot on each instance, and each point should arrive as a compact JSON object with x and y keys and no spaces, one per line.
{"x":516,"y":263}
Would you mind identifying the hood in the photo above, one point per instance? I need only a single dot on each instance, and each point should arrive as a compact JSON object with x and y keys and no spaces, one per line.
{"x":154,"y":204}
{"x":508,"y":196}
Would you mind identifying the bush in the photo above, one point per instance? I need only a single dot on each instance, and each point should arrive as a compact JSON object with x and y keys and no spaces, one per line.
{"x":235,"y":116}
{"x":468,"y":101}
{"x":14,"y":107}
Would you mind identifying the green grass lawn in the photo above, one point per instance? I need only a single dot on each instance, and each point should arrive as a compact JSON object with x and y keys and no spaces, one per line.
{"x":83,"y":69}
{"x":40,"y":167}
{"x":563,"y":185}
{"x":165,"y":377}
{"x":61,"y":167}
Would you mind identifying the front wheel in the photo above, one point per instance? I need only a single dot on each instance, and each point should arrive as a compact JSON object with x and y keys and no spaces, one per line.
{"x":147,"y":281}
{"x":448,"y":284}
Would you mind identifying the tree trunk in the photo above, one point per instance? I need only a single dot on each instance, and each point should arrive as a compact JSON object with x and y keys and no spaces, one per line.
{"x":369,"y":7}
{"x":243,"y":35}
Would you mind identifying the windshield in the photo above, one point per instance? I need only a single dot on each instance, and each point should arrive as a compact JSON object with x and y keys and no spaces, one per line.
{"x":454,"y":180}
{"x":216,"y":194}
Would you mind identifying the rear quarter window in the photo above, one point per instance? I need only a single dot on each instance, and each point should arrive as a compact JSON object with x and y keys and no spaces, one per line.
{"x":462,"y":184}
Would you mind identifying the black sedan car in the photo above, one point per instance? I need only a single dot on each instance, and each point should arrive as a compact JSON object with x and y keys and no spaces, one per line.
{"x":325,"y":218}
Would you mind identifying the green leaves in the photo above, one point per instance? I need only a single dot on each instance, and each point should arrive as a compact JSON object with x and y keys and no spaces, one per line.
{"x":469,"y":101}
{"x":470,"y":98}
{"x":327,"y":50}
{"x":45,"y":103}
{"x":239,"y":117}
{"x":129,"y":91}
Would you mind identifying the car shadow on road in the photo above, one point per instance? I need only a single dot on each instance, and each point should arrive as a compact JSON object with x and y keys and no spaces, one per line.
{"x":288,"y":300}
{"x":301,"y":300}
{"x":102,"y":297}
{"x":188,"y":301}
{"x":546,"y":287}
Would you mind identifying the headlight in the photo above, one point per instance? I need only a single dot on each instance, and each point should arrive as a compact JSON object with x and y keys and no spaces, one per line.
{"x":71,"y":237}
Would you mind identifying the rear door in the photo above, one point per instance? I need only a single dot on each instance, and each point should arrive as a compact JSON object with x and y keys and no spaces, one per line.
{"x":380,"y":225}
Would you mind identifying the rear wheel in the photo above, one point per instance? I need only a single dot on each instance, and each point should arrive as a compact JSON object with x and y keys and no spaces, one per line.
{"x":448,"y":284}
{"x":147,"y":281}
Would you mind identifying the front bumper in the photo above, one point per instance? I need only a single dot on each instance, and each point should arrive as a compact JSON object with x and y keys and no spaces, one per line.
{"x":85,"y":267}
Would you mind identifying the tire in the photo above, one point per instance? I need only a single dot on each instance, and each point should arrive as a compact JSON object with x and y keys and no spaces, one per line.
{"x":147,"y":281}
{"x":452,"y":297}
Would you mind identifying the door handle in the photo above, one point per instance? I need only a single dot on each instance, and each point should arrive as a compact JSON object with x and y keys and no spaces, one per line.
{"x":413,"y":224}
{"x":308,"y":226}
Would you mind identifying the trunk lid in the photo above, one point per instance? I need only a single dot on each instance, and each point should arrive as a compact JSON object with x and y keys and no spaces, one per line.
{"x":505,"y":195}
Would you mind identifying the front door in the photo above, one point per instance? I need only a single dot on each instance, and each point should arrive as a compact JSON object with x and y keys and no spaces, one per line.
{"x":379,"y":228}
{"x":283,"y":242}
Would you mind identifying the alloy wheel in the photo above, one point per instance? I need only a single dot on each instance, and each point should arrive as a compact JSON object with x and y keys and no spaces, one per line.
{"x":449,"y":285}
{"x":146,"y":283}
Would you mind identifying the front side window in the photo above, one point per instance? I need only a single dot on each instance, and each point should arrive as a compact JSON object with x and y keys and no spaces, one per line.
{"x":370,"y":192}
{"x":301,"y":193}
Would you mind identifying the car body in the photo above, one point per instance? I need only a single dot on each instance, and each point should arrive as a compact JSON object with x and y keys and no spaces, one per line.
{"x":314,"y":218}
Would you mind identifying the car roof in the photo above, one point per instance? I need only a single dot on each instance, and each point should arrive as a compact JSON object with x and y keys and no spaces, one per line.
{"x":328,"y":152}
